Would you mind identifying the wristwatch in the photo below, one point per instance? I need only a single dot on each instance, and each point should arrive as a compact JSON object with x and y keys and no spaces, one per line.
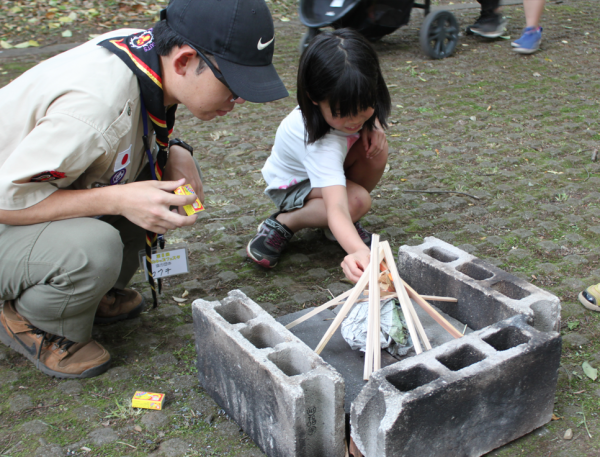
{"x":183,"y":144}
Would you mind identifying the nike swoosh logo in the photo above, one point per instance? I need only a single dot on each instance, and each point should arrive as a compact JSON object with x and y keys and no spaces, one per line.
{"x":262,"y":45}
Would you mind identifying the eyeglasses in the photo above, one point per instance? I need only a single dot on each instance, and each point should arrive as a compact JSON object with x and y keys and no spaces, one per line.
{"x":216,"y":72}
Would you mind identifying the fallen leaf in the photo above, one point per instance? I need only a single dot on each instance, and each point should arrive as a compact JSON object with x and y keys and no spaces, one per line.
{"x":185,"y":294}
{"x":589,"y":371}
{"x":5,"y":44}
{"x":23,"y":45}
{"x":180,"y":300}
{"x":137,"y":428}
{"x":555,"y":417}
{"x":489,"y":107}
{"x":568,"y":434}
{"x":284,"y":19}
{"x":67,"y":34}
{"x":15,"y":9}
{"x":536,"y":74}
{"x":65,"y":19}
{"x":85,"y":449}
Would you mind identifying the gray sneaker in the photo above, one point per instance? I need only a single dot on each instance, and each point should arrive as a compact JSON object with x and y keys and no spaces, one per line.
{"x":489,"y":26}
{"x":270,"y":241}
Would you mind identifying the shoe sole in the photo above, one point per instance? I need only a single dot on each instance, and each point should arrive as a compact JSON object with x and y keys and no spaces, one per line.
{"x":525,"y":50}
{"x":89,"y":373}
{"x":135,"y":312}
{"x":487,"y":35}
{"x":587,"y":303}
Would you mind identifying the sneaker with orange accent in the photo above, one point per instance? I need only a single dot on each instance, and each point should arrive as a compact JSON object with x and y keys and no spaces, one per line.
{"x":51,"y":354}
{"x":119,"y":304}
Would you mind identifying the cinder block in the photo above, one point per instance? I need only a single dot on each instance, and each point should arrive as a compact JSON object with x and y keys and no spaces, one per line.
{"x":284,"y":396}
{"x":464,"y":398}
{"x":485,"y":293}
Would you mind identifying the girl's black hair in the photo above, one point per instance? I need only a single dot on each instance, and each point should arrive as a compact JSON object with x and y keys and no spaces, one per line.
{"x":342,"y":68}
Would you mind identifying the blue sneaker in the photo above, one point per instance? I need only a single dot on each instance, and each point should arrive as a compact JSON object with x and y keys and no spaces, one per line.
{"x":529,"y":41}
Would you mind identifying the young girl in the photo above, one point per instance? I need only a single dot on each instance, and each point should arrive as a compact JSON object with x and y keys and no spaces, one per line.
{"x":329,"y":152}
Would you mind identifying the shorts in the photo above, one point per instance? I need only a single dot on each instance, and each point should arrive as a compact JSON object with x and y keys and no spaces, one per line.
{"x":291,"y":198}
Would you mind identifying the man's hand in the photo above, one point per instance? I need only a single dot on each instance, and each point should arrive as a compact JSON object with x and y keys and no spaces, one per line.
{"x":355,"y":264}
{"x":374,"y":141}
{"x":146,"y":204}
{"x":181,"y":165}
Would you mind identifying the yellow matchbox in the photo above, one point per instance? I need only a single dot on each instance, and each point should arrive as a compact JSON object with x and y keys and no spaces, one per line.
{"x":147,"y":400}
{"x":195,"y":207}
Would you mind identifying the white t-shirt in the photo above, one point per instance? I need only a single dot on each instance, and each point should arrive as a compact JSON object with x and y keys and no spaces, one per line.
{"x":292,"y":161}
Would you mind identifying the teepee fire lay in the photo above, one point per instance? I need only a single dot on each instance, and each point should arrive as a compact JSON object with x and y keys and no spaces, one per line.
{"x":382,"y":260}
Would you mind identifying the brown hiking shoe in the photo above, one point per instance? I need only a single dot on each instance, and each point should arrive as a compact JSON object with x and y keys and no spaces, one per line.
{"x":119,"y":304}
{"x":51,"y":354}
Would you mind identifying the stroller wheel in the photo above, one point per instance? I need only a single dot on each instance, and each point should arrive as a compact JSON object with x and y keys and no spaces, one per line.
{"x":439,"y":34}
{"x":308,"y":35}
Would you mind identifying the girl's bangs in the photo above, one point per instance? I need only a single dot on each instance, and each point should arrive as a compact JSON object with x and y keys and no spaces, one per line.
{"x":352,"y":93}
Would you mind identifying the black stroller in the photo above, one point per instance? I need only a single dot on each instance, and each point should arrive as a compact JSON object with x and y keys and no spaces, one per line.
{"x":376,"y":18}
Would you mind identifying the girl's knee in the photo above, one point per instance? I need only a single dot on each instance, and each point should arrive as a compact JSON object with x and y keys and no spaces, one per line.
{"x":359,"y":202}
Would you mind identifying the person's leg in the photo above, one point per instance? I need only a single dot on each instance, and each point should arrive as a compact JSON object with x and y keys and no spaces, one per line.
{"x":362,"y":175}
{"x":57,"y":272}
{"x":530,"y":40}
{"x":490,"y":23}
{"x":52,"y":277}
{"x":533,"y":12}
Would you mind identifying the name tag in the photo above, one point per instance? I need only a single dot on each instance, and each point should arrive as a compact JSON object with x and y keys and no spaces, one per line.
{"x":166,"y":262}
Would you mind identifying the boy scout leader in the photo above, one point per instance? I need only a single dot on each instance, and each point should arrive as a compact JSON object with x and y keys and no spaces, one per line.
{"x":87,"y":168}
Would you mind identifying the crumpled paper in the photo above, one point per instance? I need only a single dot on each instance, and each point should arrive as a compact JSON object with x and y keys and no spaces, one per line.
{"x":393,"y":336}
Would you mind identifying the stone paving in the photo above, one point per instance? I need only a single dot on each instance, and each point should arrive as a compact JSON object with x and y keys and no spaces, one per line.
{"x":510,"y":137}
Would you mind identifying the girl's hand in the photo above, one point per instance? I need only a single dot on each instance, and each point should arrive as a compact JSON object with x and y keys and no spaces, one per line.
{"x":355,"y":264}
{"x":374,"y":140}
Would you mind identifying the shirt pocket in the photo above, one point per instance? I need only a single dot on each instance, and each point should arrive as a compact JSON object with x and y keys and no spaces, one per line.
{"x":120,"y":126}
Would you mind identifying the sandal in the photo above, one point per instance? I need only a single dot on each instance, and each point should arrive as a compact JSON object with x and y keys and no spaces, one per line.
{"x":590,"y":297}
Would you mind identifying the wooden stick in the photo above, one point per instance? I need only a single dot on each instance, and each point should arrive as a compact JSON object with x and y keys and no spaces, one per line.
{"x":432,"y":312}
{"x":317,"y":310}
{"x":373,"y":307}
{"x":434,"y":298}
{"x":356,"y":291}
{"x":403,"y":303}
{"x":377,"y":300}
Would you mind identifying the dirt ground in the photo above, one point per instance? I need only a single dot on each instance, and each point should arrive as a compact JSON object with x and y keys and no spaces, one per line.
{"x":518,"y":132}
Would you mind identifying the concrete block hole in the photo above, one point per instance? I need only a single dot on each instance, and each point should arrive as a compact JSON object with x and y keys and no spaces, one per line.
{"x":262,"y":336}
{"x":506,"y":339}
{"x":408,"y":380}
{"x":235,"y":313}
{"x":441,"y":254}
{"x":290,"y":363}
{"x":463,"y":357}
{"x":475,"y":271}
{"x":511,"y":290}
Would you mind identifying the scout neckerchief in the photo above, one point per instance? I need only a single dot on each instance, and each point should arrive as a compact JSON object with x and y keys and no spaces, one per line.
{"x":139,"y":54}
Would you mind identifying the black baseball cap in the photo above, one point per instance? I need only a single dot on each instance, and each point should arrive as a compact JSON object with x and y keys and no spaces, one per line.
{"x":241,"y":37}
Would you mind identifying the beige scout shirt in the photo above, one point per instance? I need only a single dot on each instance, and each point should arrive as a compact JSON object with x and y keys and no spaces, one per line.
{"x":71,"y":122}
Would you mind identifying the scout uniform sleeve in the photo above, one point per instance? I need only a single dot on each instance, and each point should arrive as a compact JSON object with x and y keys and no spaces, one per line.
{"x":52,"y":156}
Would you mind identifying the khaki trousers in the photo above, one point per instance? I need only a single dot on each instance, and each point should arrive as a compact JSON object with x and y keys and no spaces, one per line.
{"x":57,"y":272}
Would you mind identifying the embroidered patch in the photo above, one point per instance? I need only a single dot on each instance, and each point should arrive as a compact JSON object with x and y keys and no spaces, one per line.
{"x":144,"y":40}
{"x":47,"y":176}
{"x":118,"y":176}
{"x":123,"y":159}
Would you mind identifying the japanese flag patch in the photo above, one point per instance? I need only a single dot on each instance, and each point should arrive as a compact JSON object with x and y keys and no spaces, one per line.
{"x":123,"y":159}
